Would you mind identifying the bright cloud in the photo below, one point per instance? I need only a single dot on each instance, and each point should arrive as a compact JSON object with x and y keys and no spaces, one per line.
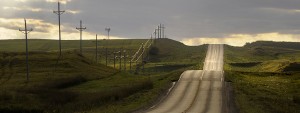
{"x":25,"y":8}
{"x":61,"y":1}
{"x":242,"y":39}
{"x":73,"y":11}
{"x":36,"y":9}
{"x":38,"y":25}
{"x":20,"y":0}
{"x":8,"y":33}
{"x":41,"y":30}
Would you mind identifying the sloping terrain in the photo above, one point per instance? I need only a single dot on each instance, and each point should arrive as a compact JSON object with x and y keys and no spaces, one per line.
{"x":76,"y":82}
{"x":262,"y":57}
{"x":53,"y":84}
{"x":265,"y":76}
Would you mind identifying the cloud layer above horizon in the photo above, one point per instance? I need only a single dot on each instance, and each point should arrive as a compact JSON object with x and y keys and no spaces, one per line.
{"x":193,"y":22}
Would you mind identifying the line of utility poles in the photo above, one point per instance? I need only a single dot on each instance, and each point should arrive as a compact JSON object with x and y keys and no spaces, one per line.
{"x":120,"y":57}
{"x":26,"y":31}
{"x":158,"y":33}
{"x":59,"y":12}
{"x":161,"y":31}
{"x":81,"y":29}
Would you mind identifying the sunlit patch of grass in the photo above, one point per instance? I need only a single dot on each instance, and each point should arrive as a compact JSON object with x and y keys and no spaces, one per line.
{"x":269,"y":86}
{"x":265,"y":92}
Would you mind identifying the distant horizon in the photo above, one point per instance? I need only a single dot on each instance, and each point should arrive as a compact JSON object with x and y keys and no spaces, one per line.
{"x":147,"y":39}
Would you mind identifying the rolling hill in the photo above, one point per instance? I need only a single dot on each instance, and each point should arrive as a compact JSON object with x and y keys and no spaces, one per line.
{"x":75,"y":82}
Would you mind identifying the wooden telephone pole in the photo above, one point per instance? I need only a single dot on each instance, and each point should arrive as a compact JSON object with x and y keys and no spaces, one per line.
{"x":96,"y":49}
{"x":120,"y":52}
{"x":115,"y":59}
{"x":59,"y":12}
{"x":155,"y":32}
{"x":158,"y":32}
{"x":108,"y":30}
{"x":163,"y":30}
{"x":26,"y":32}
{"x":106,"y":56}
{"x":80,"y":29}
{"x":125,"y":59}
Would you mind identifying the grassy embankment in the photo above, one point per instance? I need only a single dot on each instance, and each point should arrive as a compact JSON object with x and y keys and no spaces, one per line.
{"x":265,"y":76}
{"x":77,"y":83}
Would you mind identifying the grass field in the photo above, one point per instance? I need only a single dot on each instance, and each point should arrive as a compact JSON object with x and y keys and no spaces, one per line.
{"x":76,"y":82}
{"x":37,"y":45}
{"x":265,"y":76}
{"x":266,"y":92}
{"x":49,"y":84}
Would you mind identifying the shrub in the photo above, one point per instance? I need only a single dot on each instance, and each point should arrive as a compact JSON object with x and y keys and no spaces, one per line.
{"x":153,"y":51}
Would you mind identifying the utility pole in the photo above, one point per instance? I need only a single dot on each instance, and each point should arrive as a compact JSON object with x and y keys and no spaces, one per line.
{"x":125,"y":59}
{"x":59,"y":12}
{"x":120,"y":59}
{"x":80,"y":29}
{"x":143,"y":57}
{"x":106,"y":56}
{"x":115,"y":59}
{"x":130,"y":61}
{"x":26,"y":32}
{"x":163,"y":31}
{"x":108,"y":30}
{"x":158,"y":32}
{"x":96,"y":49}
{"x":155,"y":32}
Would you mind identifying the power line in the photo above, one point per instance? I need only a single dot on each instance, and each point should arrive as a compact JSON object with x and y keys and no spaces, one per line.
{"x":59,"y":12}
{"x":26,"y":32}
{"x":81,"y":29}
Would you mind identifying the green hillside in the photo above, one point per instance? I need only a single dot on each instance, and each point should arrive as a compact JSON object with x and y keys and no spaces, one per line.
{"x":170,"y":50}
{"x":52,"y":45}
{"x":52,"y":83}
{"x":287,"y":45}
{"x":266,"y":58}
{"x":265,"y":76}
{"x":75,"y":82}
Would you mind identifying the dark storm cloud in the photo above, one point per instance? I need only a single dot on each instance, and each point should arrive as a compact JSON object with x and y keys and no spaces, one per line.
{"x":183,"y":18}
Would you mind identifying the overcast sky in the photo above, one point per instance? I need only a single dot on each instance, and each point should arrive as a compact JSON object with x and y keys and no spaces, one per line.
{"x":192,"y":22}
